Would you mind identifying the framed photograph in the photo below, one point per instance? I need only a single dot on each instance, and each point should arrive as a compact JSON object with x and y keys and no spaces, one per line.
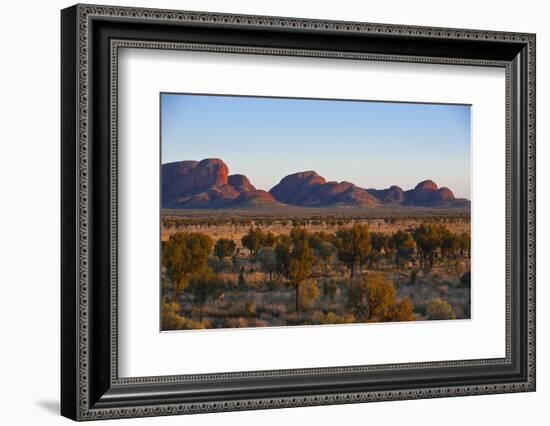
{"x":263,"y":212}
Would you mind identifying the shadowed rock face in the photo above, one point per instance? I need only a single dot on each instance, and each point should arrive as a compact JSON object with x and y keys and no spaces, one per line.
{"x":177,"y":178}
{"x":192,"y":176}
{"x":393,"y":194}
{"x":240,"y":183}
{"x":308,"y":189}
{"x":426,"y":193}
{"x":293,"y":189}
{"x":422,"y":193}
{"x":256,"y":195}
{"x":207,"y":184}
{"x":443,"y":194}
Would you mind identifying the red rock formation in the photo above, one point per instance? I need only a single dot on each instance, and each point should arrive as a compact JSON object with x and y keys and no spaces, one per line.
{"x":393,"y":194}
{"x":423,"y":192}
{"x":443,"y":194}
{"x":207,"y":184}
{"x":311,"y":190}
{"x":191,"y":176}
{"x":256,"y":195}
{"x":426,"y":193}
{"x":358,"y":197}
{"x":294,"y":188}
{"x":241,"y":183}
{"x":210,"y":172}
{"x":177,"y":178}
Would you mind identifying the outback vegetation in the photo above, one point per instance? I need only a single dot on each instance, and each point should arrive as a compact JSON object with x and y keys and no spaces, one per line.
{"x":232,"y":271}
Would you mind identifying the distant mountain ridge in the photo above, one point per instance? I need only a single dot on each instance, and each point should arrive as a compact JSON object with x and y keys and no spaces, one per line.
{"x":207,"y":184}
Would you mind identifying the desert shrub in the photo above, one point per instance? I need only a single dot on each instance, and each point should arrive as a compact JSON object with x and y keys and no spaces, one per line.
{"x":308,"y":293}
{"x":220,"y":264}
{"x":353,"y":246}
{"x":268,"y":261}
{"x":464,"y":244}
{"x":330,"y":289}
{"x":443,"y":290}
{"x":237,"y":322}
{"x":184,"y":255}
{"x":298,"y":320}
{"x":325,"y":252}
{"x":204,"y":286}
{"x":238,"y":263}
{"x":374,"y":298}
{"x":402,"y":310}
{"x":249,"y":308}
{"x":370,"y":296}
{"x":171,"y":320}
{"x":274,"y":309}
{"x":260,"y":323}
{"x":224,"y":247}
{"x":428,"y":239}
{"x":439,"y":309}
{"x":295,"y":261}
{"x":332,"y":318}
{"x":269,"y":240}
{"x":253,"y":240}
{"x":421,"y":308}
{"x":402,"y":245}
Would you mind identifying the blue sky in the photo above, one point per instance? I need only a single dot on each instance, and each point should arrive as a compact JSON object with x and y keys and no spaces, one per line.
{"x":372,"y":144}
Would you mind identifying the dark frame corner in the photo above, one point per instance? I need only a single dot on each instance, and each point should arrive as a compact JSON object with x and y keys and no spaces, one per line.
{"x":90,"y":386}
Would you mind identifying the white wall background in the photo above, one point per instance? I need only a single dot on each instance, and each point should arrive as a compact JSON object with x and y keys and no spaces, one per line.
{"x":29,"y":213}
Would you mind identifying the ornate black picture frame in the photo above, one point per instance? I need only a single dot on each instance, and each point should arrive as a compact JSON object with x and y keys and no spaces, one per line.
{"x":91,"y":36}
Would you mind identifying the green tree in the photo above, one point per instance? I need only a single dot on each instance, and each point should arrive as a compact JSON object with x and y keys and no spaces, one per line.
{"x":380,"y":244}
{"x":325,"y":252}
{"x":449,"y":244}
{"x":353,"y":246}
{"x":253,"y":241}
{"x":330,"y":289}
{"x":219,"y":265}
{"x":374,"y":298}
{"x":172,"y":320}
{"x":268,"y":261}
{"x":224,"y":247}
{"x":249,"y":309}
{"x":204,"y":286}
{"x":268,"y":240}
{"x":464,"y":242}
{"x":300,"y":267}
{"x":308,"y":293}
{"x":439,"y":309}
{"x":282,"y":255}
{"x":185,"y":254}
{"x":403,"y":246}
{"x":380,"y":296}
{"x":428,"y":240}
{"x":295,"y":260}
{"x":298,"y":234}
{"x":370,"y":295}
{"x":402,"y":310}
